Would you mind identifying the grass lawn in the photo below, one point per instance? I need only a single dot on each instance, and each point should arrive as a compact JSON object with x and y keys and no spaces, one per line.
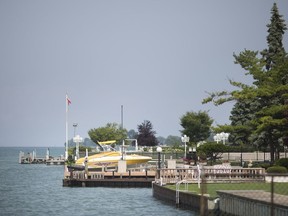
{"x":280,"y":188}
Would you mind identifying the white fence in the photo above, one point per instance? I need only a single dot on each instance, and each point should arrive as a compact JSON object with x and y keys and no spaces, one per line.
{"x":214,"y":174}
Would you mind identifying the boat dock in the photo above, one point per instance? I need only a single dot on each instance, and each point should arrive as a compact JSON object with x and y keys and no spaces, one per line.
{"x":131,"y":178}
{"x":31,"y":158}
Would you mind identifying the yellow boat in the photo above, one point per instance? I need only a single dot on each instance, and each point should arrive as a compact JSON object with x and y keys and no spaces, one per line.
{"x":111,"y":158}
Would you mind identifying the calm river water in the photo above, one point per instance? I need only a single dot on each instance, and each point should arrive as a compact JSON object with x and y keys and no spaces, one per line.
{"x":36,"y":189}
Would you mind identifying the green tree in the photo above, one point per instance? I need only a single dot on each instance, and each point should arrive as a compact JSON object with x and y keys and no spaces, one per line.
{"x":112,"y":131}
{"x":196,"y":125}
{"x":173,"y":140}
{"x":161,"y":140}
{"x":146,"y":134}
{"x":276,"y":30}
{"x":132,"y":134}
{"x":242,"y":114}
{"x":211,"y":151}
{"x":269,"y":92}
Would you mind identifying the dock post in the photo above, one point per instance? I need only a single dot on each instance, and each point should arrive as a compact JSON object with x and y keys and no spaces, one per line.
{"x":21,"y":155}
{"x":86,"y":167}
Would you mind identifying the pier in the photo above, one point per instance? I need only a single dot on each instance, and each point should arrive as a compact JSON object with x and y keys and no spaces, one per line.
{"x":131,"y":178}
{"x":32,"y":158}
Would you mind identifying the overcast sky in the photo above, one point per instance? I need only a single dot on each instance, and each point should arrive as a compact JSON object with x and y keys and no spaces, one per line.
{"x":156,"y":58}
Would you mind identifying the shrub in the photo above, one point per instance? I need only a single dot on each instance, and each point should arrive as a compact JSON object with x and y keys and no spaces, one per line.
{"x":282,"y":162}
{"x":277,"y":169}
{"x":244,"y":164}
{"x":264,"y":165}
{"x":235,"y":163}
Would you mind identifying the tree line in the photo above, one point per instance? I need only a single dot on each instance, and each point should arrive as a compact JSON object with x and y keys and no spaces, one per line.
{"x":259,"y":116}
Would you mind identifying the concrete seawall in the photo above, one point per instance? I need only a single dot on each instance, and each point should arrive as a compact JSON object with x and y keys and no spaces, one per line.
{"x":186,"y":200}
{"x":230,"y":202}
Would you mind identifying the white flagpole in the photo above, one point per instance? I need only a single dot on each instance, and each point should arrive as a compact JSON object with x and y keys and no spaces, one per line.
{"x":66,"y":146}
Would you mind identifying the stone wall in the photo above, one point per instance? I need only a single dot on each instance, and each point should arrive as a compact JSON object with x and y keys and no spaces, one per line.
{"x":186,"y":200}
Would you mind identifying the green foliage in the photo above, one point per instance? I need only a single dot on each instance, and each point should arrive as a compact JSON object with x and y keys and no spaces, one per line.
{"x":260,"y":112}
{"x":70,"y":161}
{"x":146,"y":134}
{"x":132,"y":134}
{"x":211,"y":151}
{"x":276,"y":30}
{"x":81,"y":149}
{"x":277,"y":169}
{"x":173,"y":141}
{"x":242,"y":114}
{"x":112,"y":131}
{"x":161,"y":140}
{"x":196,"y":125}
{"x":235,"y":163}
{"x":240,"y":148}
{"x":282,"y":162}
{"x":265,"y":165}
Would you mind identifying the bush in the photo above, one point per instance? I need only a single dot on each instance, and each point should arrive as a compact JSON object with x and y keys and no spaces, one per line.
{"x":235,"y":163}
{"x":262,"y":165}
{"x":282,"y":162}
{"x":277,"y":169}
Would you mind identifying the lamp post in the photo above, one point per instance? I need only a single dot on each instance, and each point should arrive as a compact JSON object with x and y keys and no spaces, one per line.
{"x":185,"y":139}
{"x":86,"y":166}
{"x":221,"y":136}
{"x":77,"y":139}
{"x":217,"y":138}
{"x":159,"y":150}
{"x":224,"y":136}
{"x":75,"y":126}
{"x":194,"y":155}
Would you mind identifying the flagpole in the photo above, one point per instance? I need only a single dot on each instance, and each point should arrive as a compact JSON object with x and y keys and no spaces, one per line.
{"x":66,"y":146}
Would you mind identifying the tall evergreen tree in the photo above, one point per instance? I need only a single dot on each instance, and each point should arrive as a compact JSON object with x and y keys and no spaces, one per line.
{"x":241,"y":115}
{"x":276,"y":30}
{"x":269,"y":91}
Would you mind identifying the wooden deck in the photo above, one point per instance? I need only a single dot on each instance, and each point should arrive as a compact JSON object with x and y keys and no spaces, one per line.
{"x":144,"y":178}
{"x":108,"y":179}
{"x":115,"y":182}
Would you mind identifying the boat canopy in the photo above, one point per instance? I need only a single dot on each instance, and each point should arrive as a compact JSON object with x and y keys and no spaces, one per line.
{"x":107,"y":142}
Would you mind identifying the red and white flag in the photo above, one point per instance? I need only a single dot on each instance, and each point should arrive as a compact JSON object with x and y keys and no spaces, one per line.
{"x":68,"y":101}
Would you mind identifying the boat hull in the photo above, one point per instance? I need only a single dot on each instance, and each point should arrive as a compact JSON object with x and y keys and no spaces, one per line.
{"x":110,"y":159}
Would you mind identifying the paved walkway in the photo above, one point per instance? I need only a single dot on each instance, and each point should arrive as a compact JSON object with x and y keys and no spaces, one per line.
{"x":259,"y":195}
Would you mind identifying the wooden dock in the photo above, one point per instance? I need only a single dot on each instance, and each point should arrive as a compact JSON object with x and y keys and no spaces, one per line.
{"x":31,"y":158}
{"x":76,"y":178}
{"x":116,"y":182}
